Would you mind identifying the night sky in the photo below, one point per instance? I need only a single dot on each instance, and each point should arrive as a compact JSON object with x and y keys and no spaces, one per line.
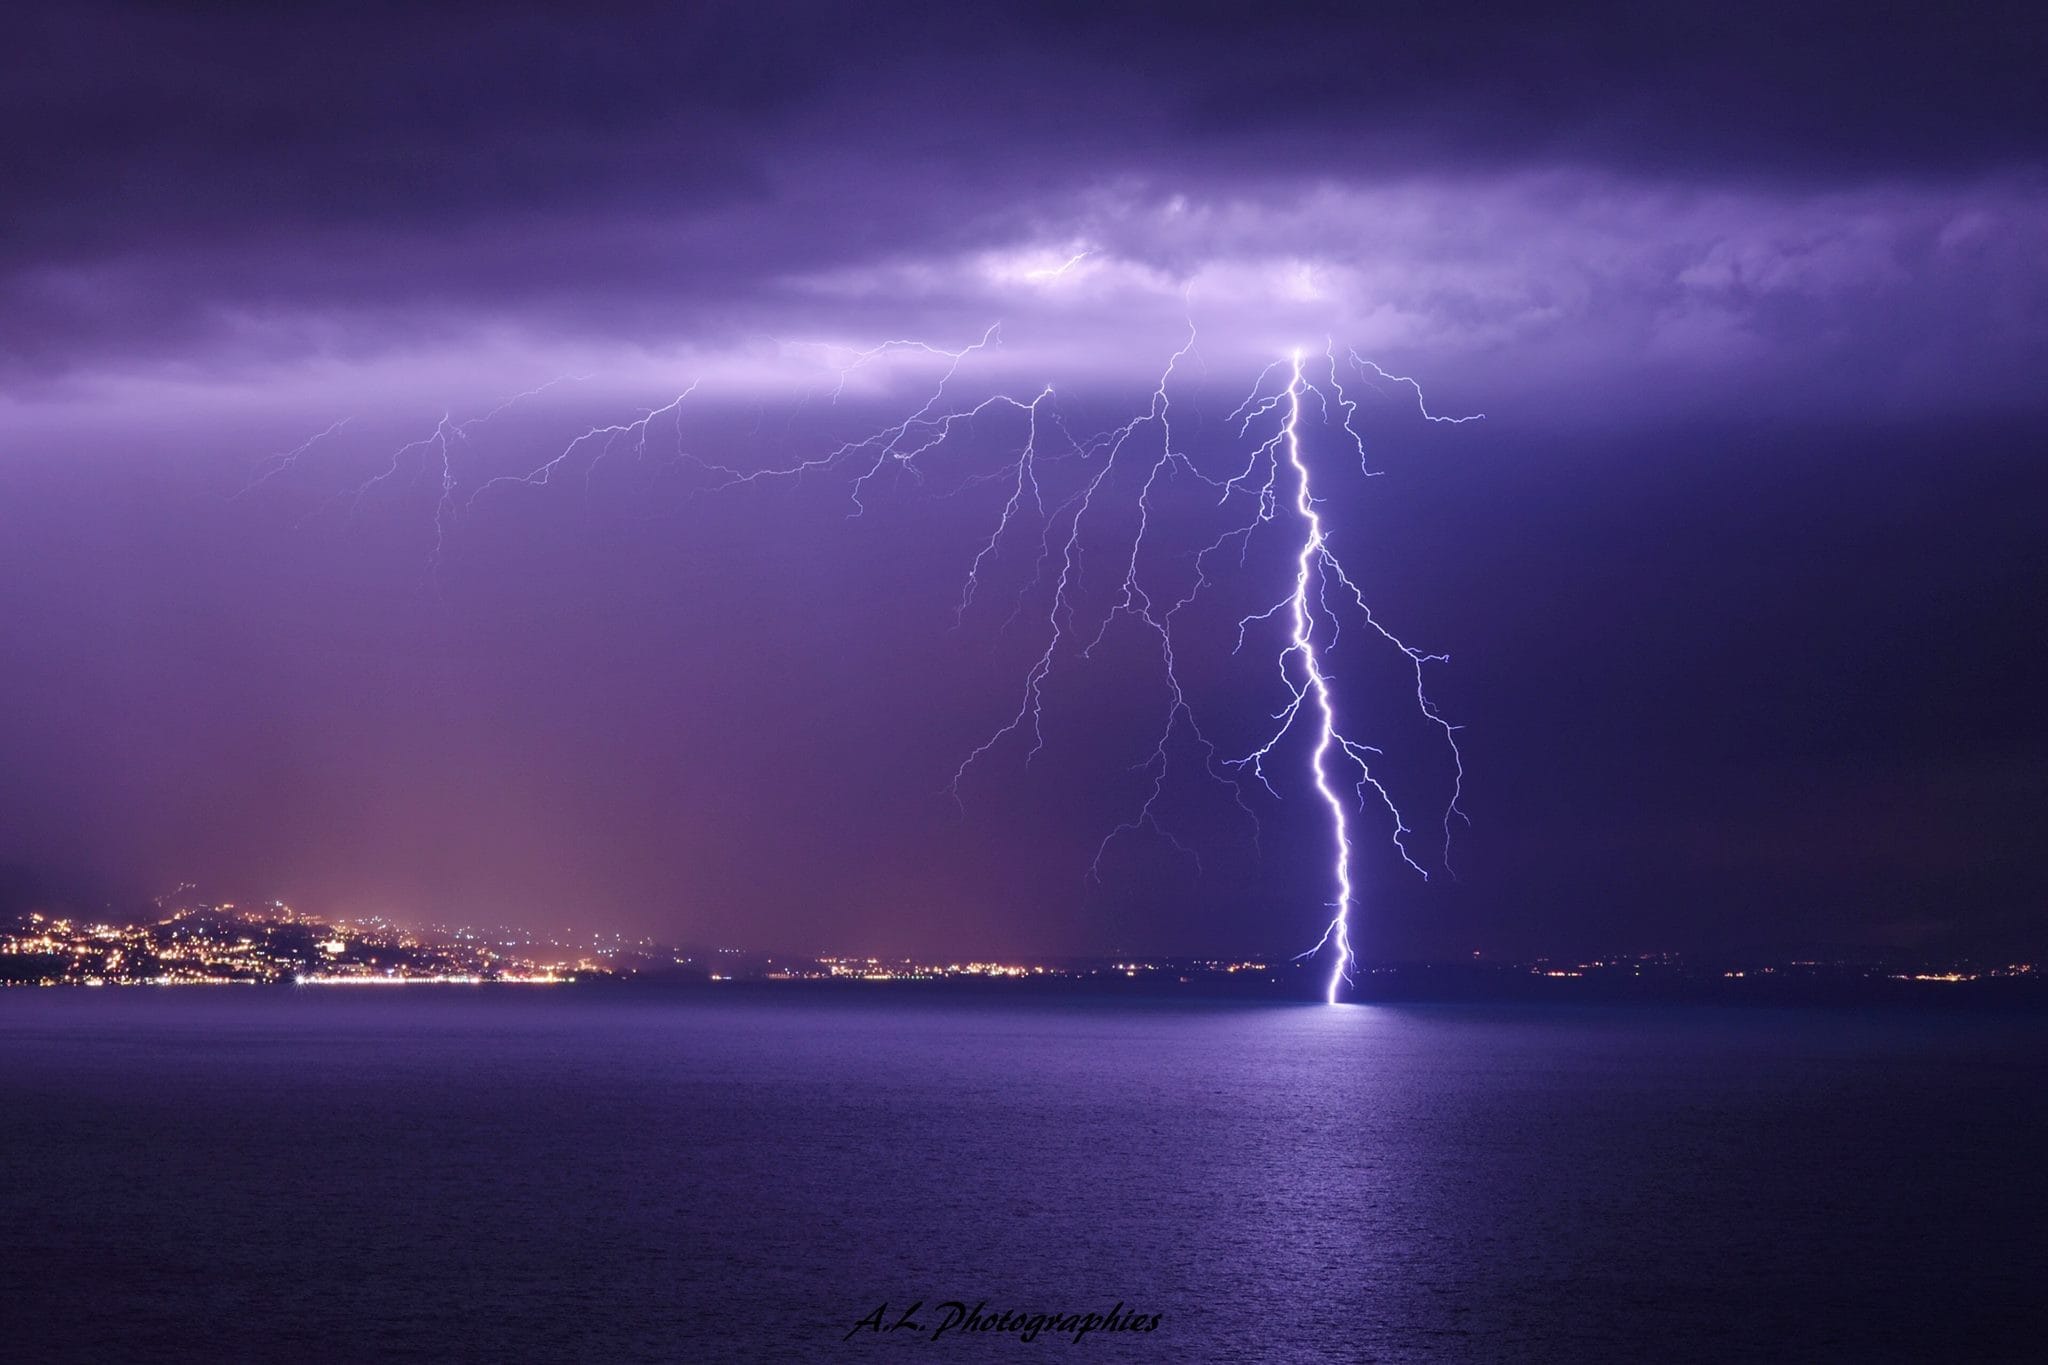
{"x":1742,"y":577}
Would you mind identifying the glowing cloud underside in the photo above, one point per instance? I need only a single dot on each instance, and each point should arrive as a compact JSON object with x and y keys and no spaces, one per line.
{"x":1272,"y":490}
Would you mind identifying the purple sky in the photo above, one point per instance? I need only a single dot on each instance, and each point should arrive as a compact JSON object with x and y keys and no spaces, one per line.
{"x":1741,"y":576}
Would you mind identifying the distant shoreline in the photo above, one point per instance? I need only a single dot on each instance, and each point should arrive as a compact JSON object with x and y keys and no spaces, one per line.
{"x":1378,"y":986}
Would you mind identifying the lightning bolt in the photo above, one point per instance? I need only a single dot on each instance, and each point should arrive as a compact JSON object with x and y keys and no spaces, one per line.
{"x":1313,"y":628}
{"x":1313,"y":624}
{"x":1045,"y":273}
{"x":1268,"y":484}
{"x":1309,"y":685}
{"x":270,"y":466}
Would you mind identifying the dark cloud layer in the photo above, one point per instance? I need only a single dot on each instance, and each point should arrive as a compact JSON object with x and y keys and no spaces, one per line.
{"x":147,"y":120}
{"x":183,"y":169}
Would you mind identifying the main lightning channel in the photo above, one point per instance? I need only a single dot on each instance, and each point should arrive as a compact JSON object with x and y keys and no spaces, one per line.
{"x":1310,"y":564}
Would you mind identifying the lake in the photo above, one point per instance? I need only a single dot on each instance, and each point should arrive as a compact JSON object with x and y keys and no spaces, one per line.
{"x":500,"y":1174}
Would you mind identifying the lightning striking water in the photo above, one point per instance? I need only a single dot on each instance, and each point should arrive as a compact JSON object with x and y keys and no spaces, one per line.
{"x":1127,"y":479}
{"x":1308,"y":684}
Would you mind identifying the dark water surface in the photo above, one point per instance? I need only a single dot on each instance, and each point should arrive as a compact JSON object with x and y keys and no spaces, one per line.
{"x":312,"y":1175}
